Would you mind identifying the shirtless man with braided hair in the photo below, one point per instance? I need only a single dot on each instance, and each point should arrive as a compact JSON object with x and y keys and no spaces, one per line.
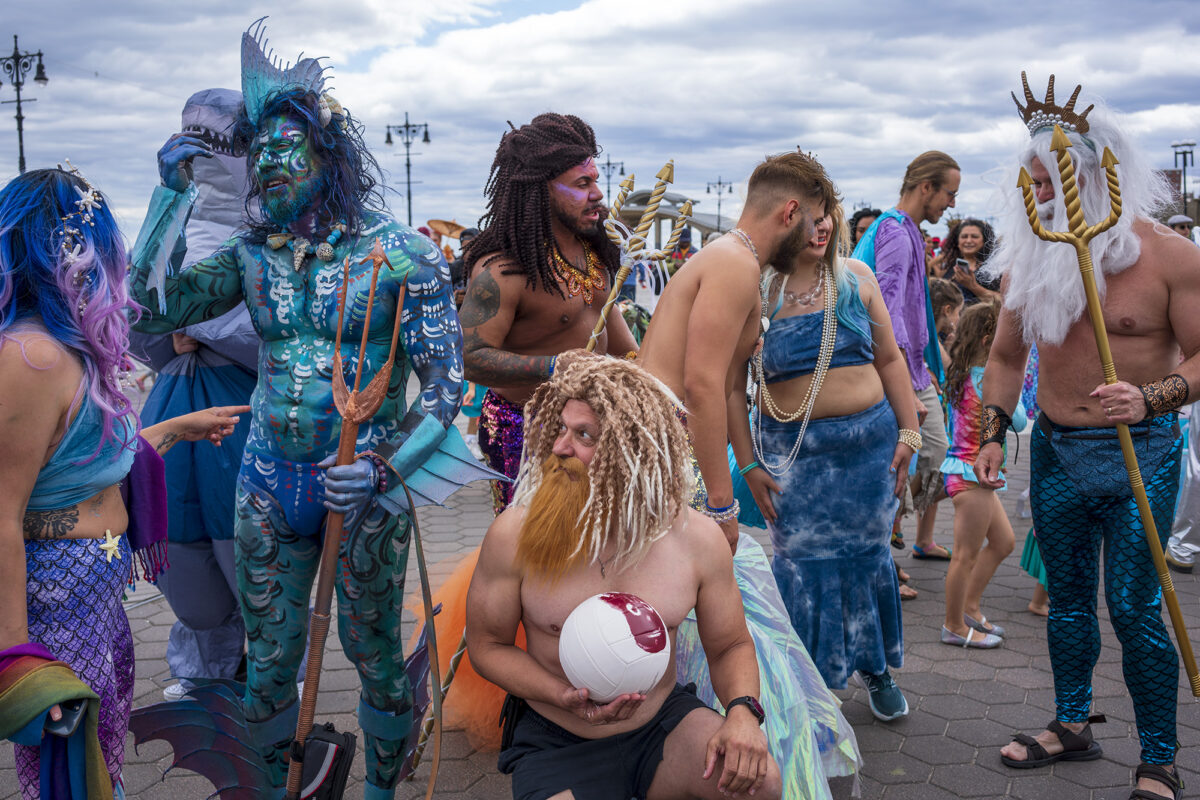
{"x":539,"y":275}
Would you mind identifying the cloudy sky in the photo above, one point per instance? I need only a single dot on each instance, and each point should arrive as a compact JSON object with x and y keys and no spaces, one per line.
{"x":865,"y":85}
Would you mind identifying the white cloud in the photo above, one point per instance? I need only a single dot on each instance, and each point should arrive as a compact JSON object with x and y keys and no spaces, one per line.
{"x":711,"y":84}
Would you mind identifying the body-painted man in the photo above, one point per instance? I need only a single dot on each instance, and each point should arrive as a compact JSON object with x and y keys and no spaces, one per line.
{"x":1149,"y":284}
{"x":320,"y":207}
{"x":539,"y":275}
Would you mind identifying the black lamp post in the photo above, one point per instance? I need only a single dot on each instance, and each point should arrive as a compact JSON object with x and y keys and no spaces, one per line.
{"x":16,"y":67}
{"x":1183,"y":160}
{"x":722,"y":187}
{"x":608,"y":167}
{"x":408,"y":134}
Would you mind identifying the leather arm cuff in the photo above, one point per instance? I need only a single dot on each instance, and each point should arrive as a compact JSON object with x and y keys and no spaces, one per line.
{"x":994,"y":425}
{"x":1165,"y":395}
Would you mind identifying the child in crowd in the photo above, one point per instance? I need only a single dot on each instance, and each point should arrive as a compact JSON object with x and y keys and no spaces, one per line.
{"x":947,"y":301}
{"x":978,"y":514}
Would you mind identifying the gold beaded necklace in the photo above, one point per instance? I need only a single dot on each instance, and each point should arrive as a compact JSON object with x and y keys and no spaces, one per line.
{"x":575,"y":280}
{"x":804,"y":412}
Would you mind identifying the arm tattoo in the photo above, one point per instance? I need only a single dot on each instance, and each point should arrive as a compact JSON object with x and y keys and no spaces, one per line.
{"x":491,"y":366}
{"x":483,"y":300}
{"x":53,"y":524}
{"x":167,"y":441}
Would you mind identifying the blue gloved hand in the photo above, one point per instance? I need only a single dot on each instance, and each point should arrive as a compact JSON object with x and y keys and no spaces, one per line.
{"x":351,"y":487}
{"x":175,"y":160}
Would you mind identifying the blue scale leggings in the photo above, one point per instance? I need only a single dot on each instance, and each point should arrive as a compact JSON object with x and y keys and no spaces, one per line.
{"x":1074,"y":516}
{"x":279,"y":525}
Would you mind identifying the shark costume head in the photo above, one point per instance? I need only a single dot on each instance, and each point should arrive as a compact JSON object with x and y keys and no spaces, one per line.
{"x":330,"y":167}
{"x":221,"y":181}
{"x":1044,"y":287}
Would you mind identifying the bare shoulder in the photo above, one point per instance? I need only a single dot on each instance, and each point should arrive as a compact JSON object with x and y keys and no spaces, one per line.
{"x":1174,"y":256}
{"x":705,"y":542}
{"x":33,"y":361}
{"x":499,"y":548}
{"x":722,"y":254}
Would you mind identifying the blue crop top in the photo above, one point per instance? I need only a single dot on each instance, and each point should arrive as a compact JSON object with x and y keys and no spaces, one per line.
{"x":66,"y":480}
{"x":791,"y":346}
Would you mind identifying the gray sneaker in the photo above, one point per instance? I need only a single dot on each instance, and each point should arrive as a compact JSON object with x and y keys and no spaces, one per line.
{"x":174,"y":692}
{"x":884,"y":696}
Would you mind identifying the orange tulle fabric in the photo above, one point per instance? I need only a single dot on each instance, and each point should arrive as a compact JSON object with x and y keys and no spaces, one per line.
{"x":472,"y":703}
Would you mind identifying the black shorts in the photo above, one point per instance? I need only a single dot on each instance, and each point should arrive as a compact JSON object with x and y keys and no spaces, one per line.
{"x":545,"y":759}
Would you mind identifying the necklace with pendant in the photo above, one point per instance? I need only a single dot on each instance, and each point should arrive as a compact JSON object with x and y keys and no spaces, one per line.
{"x":809,"y":297}
{"x":302,"y":248}
{"x":576,"y":281}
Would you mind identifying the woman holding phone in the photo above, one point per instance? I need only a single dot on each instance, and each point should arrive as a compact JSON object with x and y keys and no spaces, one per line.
{"x":967,"y":248}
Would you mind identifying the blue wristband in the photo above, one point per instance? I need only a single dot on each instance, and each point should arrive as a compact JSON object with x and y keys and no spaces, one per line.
{"x":748,"y":467}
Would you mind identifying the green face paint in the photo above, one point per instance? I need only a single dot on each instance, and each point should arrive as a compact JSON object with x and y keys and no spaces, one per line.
{"x":289,"y":179}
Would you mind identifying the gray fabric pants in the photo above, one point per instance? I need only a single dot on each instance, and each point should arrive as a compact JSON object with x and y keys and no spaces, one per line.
{"x":201,"y":588}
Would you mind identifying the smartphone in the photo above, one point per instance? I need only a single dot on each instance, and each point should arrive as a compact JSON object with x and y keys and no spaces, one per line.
{"x":72,"y":715}
{"x":962,"y":264}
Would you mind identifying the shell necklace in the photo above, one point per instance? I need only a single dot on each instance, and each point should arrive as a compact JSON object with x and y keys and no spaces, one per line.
{"x":804,"y":412}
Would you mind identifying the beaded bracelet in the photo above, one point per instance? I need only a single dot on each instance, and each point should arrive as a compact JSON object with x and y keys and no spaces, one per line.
{"x":911,"y":438}
{"x":381,"y":476}
{"x":722,"y":515}
{"x":1165,"y":395}
{"x":550,"y":369}
{"x":748,"y":467}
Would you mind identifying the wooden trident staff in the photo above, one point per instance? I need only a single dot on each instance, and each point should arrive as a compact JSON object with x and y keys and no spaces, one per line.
{"x":356,"y":408}
{"x":634,"y":243}
{"x":1079,"y":235}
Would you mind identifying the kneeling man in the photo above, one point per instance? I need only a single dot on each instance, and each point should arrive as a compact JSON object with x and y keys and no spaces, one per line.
{"x":600,"y":506}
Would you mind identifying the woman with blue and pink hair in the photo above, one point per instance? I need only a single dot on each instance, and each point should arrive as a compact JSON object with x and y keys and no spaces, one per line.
{"x":68,"y":442}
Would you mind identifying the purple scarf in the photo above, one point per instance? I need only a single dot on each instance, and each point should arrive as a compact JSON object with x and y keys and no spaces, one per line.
{"x":145,"y":494}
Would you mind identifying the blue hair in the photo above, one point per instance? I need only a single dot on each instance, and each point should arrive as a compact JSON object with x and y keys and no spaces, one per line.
{"x":850,"y":309}
{"x":81,"y":299}
{"x":352,"y":175}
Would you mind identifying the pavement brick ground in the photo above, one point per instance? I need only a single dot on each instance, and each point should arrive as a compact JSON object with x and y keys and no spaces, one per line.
{"x":964,"y":703}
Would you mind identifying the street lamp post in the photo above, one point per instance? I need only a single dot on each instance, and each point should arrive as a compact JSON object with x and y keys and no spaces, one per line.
{"x":16,"y":67}
{"x":608,"y":167}
{"x":408,"y":134}
{"x":721,"y":186}
{"x":1183,"y":160}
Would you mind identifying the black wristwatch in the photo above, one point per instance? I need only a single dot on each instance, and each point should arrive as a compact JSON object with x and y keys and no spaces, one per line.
{"x":751,"y":703}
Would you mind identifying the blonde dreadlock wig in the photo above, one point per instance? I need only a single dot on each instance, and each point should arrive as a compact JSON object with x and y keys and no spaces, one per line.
{"x":640,"y":475}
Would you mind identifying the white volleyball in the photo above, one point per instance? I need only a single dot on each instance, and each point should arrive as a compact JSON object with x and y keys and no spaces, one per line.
{"x":613,"y":644}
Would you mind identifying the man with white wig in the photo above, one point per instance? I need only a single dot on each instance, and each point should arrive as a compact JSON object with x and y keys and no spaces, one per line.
{"x":1148,"y":279}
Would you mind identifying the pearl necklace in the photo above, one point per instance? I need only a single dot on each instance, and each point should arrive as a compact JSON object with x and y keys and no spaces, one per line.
{"x":804,"y":412}
{"x":746,"y":240}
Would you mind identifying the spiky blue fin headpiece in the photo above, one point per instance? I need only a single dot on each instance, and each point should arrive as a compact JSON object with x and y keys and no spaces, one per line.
{"x":264,"y":75}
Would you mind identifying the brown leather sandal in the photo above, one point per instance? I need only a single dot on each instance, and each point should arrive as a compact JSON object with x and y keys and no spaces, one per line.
{"x":1076,"y":747}
{"x":1158,"y":773}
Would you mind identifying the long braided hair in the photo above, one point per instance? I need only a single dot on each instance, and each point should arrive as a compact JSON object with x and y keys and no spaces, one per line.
{"x":640,"y":474}
{"x":517,"y":224}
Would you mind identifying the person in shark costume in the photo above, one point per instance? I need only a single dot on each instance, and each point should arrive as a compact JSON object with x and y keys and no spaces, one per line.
{"x":321,"y":208}
{"x":211,"y":363}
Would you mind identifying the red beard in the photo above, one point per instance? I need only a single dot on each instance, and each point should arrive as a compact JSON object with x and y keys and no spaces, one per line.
{"x":551,"y":530}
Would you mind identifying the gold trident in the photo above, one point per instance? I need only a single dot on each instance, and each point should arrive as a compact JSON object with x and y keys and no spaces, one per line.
{"x":636,"y":241}
{"x":1079,"y":234}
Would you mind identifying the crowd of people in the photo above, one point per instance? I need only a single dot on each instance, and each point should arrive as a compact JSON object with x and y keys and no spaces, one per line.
{"x":820,"y":375}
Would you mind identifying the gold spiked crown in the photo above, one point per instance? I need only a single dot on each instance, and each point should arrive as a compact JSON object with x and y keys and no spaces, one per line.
{"x":1038,"y":115}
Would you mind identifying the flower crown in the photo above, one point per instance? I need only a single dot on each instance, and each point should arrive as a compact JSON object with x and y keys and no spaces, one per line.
{"x":1038,"y":115}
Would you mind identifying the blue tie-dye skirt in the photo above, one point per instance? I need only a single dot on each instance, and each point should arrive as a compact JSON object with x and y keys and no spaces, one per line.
{"x":832,"y":561}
